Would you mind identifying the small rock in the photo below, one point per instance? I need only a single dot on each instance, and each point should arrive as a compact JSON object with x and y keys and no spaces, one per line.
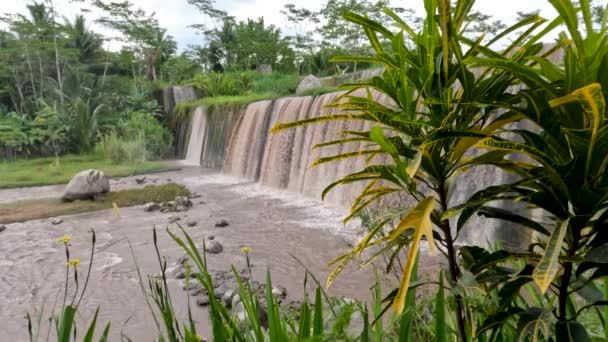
{"x":171,"y":204}
{"x":2,"y":228}
{"x":192,"y":286}
{"x":173,"y":219}
{"x":236,"y":300}
{"x":192,"y":223}
{"x":180,"y":208}
{"x":279,"y":291}
{"x":227,"y":298}
{"x":140,"y":180}
{"x":221,"y":223}
{"x":151,"y":206}
{"x":202,"y":300}
{"x":56,"y":221}
{"x":211,"y":237}
{"x":180,"y":274}
{"x":195,"y":195}
{"x":183,"y":259}
{"x":201,"y":202}
{"x":164,"y":210}
{"x":213,"y":247}
{"x":183,"y":201}
{"x":241,"y":314}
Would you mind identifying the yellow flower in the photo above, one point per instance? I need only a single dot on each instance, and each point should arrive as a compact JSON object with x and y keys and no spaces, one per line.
{"x":64,"y":239}
{"x":245,"y":250}
{"x":200,"y":338}
{"x":73,"y":262}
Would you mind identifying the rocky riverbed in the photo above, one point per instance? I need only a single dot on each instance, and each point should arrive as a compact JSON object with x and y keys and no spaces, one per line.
{"x":231,"y":212}
{"x":237,"y":213}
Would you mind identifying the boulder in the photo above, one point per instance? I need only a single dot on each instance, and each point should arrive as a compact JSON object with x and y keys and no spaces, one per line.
{"x":86,"y":185}
{"x":309,"y":82}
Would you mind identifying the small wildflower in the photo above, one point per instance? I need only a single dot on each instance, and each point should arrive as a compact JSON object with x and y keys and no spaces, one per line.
{"x":64,"y":239}
{"x":245,"y":250}
{"x":73,"y":262}
{"x":200,"y":338}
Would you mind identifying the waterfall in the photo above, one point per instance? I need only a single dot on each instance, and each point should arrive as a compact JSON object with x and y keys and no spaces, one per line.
{"x":246,"y":147}
{"x":173,"y":96}
{"x":198,"y":127}
{"x":236,"y":140}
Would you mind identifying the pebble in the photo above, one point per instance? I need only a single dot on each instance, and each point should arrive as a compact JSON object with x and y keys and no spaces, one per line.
{"x":173,"y":219}
{"x":151,"y":206}
{"x":56,"y":221}
{"x":192,"y":223}
{"x":213,"y":247}
{"x":183,"y":259}
{"x":221,"y":223}
{"x":2,"y":228}
{"x":227,"y":298}
{"x":202,"y":300}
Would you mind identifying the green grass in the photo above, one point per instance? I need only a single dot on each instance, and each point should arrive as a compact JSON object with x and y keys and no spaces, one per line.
{"x":184,"y":108}
{"x":320,"y":91}
{"x":26,"y":210}
{"x":43,"y":171}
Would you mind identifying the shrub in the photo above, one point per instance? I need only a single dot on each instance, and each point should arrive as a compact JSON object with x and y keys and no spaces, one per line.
{"x":156,"y":138}
{"x":119,"y":150}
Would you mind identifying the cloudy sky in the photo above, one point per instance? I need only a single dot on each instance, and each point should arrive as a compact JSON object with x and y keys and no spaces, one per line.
{"x":177,"y":15}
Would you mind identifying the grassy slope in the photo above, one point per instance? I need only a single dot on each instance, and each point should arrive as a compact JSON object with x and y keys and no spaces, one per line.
{"x":43,"y":171}
{"x":21,"y":211}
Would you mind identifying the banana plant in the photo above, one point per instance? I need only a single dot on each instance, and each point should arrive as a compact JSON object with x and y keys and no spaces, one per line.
{"x":439,"y":107}
{"x":564,"y":176}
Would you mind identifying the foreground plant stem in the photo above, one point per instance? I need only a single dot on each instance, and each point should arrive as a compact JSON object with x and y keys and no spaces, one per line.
{"x":452,"y":262}
{"x":565,"y":279}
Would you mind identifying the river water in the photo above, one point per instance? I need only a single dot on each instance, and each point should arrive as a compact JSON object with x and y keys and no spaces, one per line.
{"x":274,"y":224}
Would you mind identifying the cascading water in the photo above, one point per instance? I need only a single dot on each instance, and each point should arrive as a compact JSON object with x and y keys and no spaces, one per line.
{"x":237,"y":141}
{"x":198,"y":127}
{"x":173,"y":96}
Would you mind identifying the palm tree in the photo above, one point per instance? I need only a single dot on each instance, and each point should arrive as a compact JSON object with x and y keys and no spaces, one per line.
{"x":86,"y":42}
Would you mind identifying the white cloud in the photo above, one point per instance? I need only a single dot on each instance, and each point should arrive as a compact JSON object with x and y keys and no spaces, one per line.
{"x":177,"y":15}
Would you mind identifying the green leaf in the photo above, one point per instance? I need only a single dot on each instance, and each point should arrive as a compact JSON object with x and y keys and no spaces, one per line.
{"x":525,"y":73}
{"x":548,"y":267}
{"x":570,"y":331}
{"x":534,"y":323}
{"x":317,"y":329}
{"x":594,"y":105}
{"x":105,"y":333}
{"x":367,"y":23}
{"x":88,"y":337}
{"x":67,"y":322}
{"x":598,"y":254}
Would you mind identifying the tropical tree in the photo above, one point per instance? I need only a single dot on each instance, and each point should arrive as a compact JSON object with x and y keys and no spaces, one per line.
{"x":81,"y":39}
{"x":433,"y":116}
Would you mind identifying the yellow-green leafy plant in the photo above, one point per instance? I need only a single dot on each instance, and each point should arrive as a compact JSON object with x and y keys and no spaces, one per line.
{"x":564,"y":177}
{"x":439,"y":108}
